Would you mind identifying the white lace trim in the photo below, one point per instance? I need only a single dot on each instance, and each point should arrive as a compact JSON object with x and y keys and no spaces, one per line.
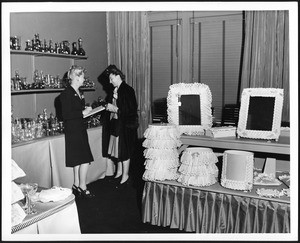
{"x":199,"y":157}
{"x":247,"y":183}
{"x":198,"y":167}
{"x":151,"y":153}
{"x":159,"y":164}
{"x":162,"y":143}
{"x":262,"y":192}
{"x":243,"y":114}
{"x":175,"y":91}
{"x":285,"y":176}
{"x":155,"y":175}
{"x":165,"y":131}
{"x":188,"y":180}
{"x":200,"y":170}
{"x":162,"y":158}
{"x":265,"y":179}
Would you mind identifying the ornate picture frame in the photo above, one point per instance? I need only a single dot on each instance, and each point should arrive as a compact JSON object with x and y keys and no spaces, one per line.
{"x":197,"y":110}
{"x":260,"y":113}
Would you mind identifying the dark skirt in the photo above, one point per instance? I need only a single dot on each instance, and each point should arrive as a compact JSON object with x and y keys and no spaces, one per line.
{"x":78,"y":150}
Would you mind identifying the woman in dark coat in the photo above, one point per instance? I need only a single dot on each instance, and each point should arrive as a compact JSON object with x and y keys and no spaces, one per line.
{"x":119,"y":135}
{"x":78,"y":152}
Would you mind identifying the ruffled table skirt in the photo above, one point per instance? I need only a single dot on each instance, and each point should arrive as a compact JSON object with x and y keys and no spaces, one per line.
{"x":213,"y":209}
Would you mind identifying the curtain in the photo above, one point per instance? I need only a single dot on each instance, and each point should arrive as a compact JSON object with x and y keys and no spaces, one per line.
{"x":129,"y":49}
{"x":212,"y":210}
{"x":266,"y":53}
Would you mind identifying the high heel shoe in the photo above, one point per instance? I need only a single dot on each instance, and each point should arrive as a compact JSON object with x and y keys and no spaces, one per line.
{"x":75,"y":191}
{"x":85,"y":193}
{"x":124,"y":184}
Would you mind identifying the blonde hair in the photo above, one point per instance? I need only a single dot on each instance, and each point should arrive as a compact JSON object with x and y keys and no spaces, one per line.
{"x":75,"y":71}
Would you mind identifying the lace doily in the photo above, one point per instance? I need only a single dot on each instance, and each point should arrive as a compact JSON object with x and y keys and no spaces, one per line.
{"x":247,"y":182}
{"x":178,"y":89}
{"x":265,"y":179}
{"x":285,"y":179}
{"x":262,"y":192}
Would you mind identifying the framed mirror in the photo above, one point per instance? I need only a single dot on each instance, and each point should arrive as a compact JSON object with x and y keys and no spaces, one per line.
{"x":189,"y":107}
{"x":260,"y":113}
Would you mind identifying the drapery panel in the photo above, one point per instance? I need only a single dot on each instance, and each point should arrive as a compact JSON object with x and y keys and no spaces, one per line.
{"x":266,"y":53}
{"x":129,"y":49}
{"x":202,"y":211}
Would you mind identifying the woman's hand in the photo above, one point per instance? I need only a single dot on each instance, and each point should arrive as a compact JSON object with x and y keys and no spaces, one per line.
{"x":87,"y":110}
{"x":112,"y":108}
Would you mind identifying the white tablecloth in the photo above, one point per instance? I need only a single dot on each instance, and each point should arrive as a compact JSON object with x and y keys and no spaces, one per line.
{"x":51,"y":218}
{"x":43,"y":161}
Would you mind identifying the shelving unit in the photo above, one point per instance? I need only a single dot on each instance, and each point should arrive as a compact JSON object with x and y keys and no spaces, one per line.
{"x":35,"y":53}
{"x":32,"y":91}
{"x":29,"y":102}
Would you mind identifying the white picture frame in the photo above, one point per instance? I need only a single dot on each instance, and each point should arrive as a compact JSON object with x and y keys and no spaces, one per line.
{"x":269,"y":119}
{"x":176,"y":91}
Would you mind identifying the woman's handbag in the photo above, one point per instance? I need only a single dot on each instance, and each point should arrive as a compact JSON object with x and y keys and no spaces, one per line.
{"x":114,"y":127}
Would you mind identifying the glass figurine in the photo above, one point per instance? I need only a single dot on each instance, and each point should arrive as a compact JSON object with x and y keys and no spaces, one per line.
{"x":81,"y":52}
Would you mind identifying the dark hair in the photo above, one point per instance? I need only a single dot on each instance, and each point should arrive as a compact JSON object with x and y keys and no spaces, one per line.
{"x":114,"y":70}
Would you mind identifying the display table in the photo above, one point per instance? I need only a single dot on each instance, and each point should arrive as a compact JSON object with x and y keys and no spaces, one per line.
{"x":43,"y":160}
{"x":276,"y":154}
{"x":282,"y":146}
{"x":213,"y":209}
{"x":51,"y":218}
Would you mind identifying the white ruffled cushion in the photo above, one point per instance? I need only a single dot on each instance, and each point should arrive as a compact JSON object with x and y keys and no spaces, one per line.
{"x":163,"y":154}
{"x":162,"y":158}
{"x":205,"y":180}
{"x":198,"y":167}
{"x":160,"y":175}
{"x":16,"y":193}
{"x":16,"y":171}
{"x":160,"y":164}
{"x":17,"y":214}
{"x":162,"y":131}
{"x":162,"y":143}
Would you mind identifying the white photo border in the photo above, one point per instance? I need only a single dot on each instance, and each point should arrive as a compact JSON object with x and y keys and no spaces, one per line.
{"x":178,"y":89}
{"x":243,"y":114}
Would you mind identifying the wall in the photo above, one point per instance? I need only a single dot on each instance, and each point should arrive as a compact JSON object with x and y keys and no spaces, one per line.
{"x":58,"y":26}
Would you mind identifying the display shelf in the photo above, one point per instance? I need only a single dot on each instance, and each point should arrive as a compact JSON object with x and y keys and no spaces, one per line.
{"x":36,"y":53}
{"x":282,"y":146}
{"x":32,"y":91}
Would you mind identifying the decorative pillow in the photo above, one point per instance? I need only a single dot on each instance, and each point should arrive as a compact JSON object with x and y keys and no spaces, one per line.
{"x":16,"y":193}
{"x":16,"y":171}
{"x":17,"y":214}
